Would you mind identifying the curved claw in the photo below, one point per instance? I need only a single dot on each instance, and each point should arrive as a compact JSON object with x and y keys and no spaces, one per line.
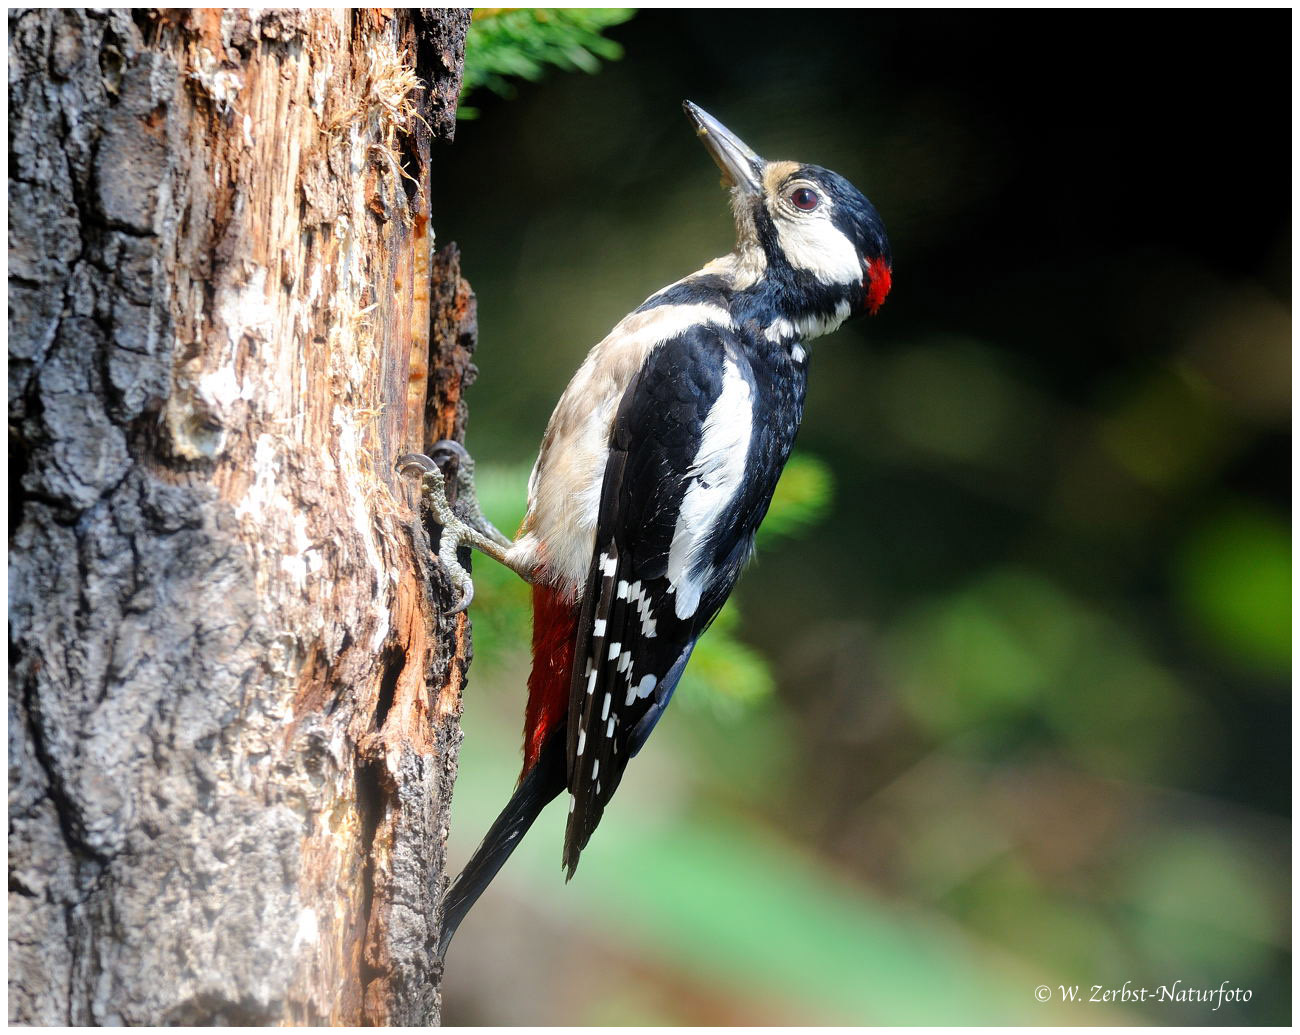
{"x":413,"y":463}
{"x":466,"y":591}
{"x":451,"y":448}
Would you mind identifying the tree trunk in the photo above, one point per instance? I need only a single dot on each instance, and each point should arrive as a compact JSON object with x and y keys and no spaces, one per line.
{"x":234,"y":690}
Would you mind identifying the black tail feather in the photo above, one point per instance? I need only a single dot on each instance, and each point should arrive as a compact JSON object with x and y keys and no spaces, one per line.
{"x":536,"y":790}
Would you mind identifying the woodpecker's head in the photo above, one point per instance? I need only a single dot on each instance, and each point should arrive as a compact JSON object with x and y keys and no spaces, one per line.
{"x":811,"y":237}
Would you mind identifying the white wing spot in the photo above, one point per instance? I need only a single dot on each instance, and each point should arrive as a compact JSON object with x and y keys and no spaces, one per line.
{"x":625,"y":662}
{"x":609,"y":730}
{"x":642,"y":601}
{"x":622,"y":589}
{"x":614,"y":648}
{"x":582,"y":740}
{"x":608,"y":565}
{"x":642,"y":689}
{"x":573,"y":802}
{"x":598,"y":630}
{"x":595,"y":768}
{"x":591,"y":682}
{"x":604,"y":709}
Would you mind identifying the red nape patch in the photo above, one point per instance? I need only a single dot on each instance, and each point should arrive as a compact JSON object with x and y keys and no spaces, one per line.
{"x":555,"y":627}
{"x":879,"y":280}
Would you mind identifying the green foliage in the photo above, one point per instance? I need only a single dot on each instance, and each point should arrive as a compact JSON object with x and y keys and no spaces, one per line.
{"x":1234,"y":582}
{"x":1014,"y":648}
{"x":519,"y":43}
{"x":726,"y":674}
{"x":802,"y":499}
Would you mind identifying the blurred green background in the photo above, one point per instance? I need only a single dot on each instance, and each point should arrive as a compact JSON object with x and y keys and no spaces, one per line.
{"x":1004,"y":702}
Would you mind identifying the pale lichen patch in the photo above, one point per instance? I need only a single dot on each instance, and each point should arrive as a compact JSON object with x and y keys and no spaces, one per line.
{"x":244,"y":309}
{"x":308,"y":931}
{"x":221,"y":84}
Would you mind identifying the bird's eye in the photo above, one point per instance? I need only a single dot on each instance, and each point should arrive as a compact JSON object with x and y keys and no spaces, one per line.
{"x":805,"y":200}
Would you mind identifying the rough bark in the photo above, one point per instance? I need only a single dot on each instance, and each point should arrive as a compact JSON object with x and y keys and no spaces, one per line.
{"x":234,"y":692}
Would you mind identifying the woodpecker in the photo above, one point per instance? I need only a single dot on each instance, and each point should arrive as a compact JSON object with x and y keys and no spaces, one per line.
{"x":655,"y":471}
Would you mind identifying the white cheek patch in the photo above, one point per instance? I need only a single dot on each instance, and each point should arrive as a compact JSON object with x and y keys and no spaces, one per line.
{"x":813,"y":243}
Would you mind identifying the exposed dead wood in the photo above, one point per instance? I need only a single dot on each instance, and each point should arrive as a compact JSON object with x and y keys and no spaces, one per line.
{"x":233,"y":698}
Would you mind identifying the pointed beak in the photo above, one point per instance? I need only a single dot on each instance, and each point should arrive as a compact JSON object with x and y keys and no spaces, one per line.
{"x":740,"y":166}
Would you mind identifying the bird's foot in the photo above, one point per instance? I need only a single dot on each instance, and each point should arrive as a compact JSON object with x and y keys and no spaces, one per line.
{"x":466,"y":506}
{"x":462,"y":524}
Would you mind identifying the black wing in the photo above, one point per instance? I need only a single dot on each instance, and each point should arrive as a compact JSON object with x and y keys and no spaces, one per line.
{"x":632,"y":645}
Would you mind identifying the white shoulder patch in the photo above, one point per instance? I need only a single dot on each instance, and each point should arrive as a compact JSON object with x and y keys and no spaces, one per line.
{"x":715,"y":477}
